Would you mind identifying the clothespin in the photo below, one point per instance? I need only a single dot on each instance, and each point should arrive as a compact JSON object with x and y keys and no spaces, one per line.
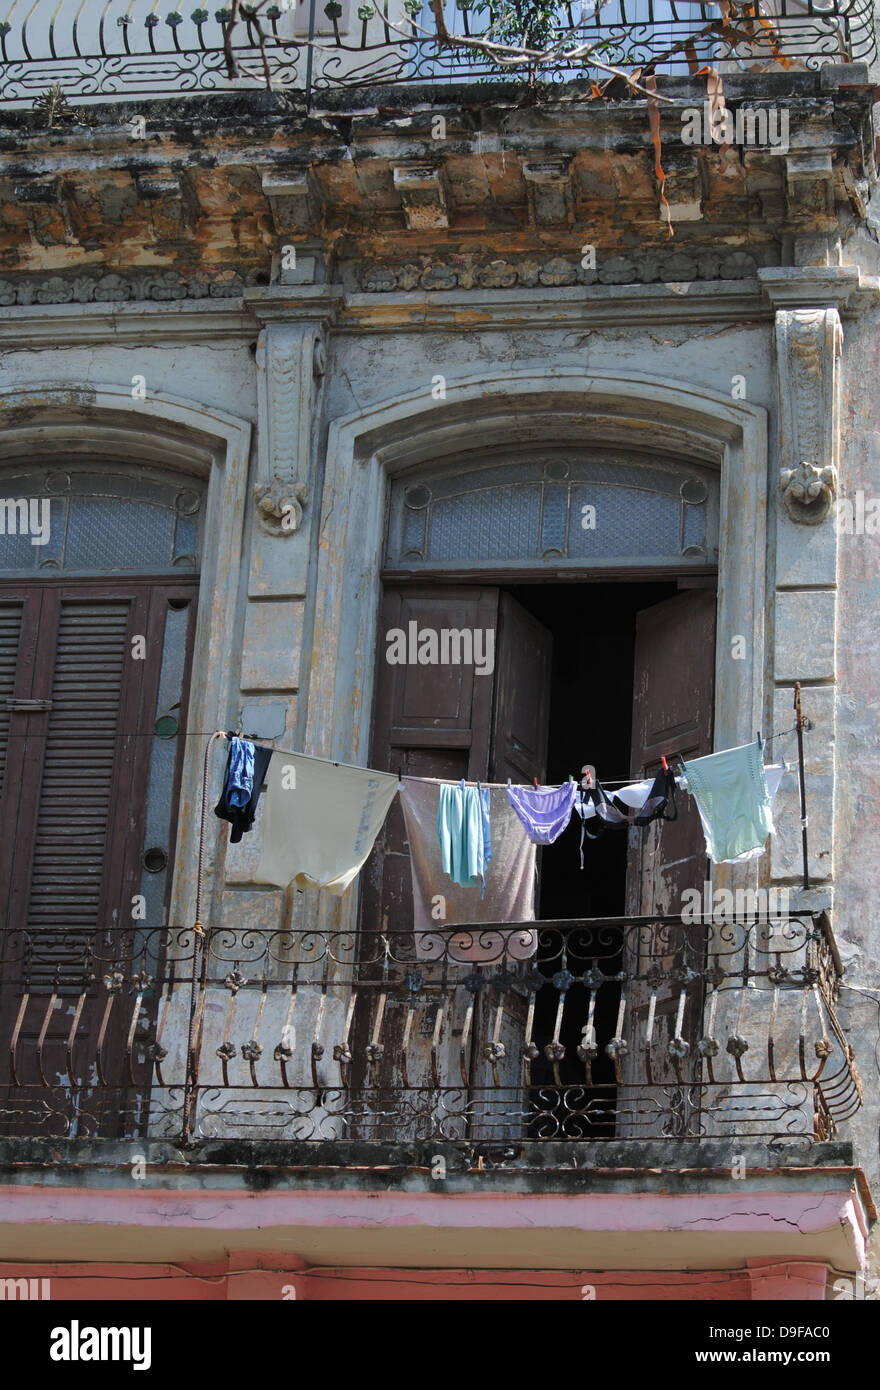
{"x":760,"y":740}
{"x":535,"y":780}
{"x":665,"y":764}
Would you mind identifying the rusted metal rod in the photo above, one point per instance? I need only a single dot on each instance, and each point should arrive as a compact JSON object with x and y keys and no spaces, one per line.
{"x":800,"y":725}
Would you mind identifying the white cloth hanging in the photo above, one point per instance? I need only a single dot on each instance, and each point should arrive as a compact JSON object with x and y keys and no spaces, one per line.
{"x":319,"y":821}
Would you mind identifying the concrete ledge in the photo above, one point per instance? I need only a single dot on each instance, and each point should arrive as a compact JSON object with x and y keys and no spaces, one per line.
{"x":601,"y":1206}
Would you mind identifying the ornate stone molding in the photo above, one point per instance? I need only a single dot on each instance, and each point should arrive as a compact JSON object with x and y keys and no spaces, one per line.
{"x":528,"y":272}
{"x":291,"y":358}
{"x":463,"y":273}
{"x":120,"y":287}
{"x":808,"y":346}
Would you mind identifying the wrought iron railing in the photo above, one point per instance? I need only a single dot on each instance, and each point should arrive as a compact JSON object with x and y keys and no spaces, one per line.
{"x":587,"y":1030}
{"x":101,"y":49}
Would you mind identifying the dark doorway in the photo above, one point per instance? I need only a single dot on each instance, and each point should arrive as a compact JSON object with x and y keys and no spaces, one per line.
{"x":591,"y":714}
{"x":591,"y":703}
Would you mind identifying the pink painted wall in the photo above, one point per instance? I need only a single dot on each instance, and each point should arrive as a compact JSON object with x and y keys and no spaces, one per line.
{"x":263,"y":1276}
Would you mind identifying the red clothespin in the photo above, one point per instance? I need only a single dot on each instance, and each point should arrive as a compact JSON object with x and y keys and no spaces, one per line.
{"x":535,"y":780}
{"x":665,"y":766}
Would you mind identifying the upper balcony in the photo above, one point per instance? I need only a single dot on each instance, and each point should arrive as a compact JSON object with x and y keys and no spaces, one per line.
{"x":133,"y":49}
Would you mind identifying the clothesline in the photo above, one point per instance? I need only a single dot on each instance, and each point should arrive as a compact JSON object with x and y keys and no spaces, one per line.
{"x":440,"y":781}
{"x":321,"y":818}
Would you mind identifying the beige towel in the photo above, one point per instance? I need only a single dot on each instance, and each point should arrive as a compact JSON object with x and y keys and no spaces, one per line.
{"x":510,"y":883}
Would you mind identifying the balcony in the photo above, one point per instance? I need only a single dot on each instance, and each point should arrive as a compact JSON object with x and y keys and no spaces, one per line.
{"x":100,"y":52}
{"x":614,"y":1029}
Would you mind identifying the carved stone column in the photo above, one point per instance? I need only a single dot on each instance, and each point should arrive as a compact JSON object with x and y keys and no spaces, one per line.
{"x":809,"y":343}
{"x":290,"y":361}
{"x":808,"y":347}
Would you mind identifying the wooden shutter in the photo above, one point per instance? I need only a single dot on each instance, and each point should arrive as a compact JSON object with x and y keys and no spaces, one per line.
{"x":10,"y":634}
{"x":430,"y":721}
{"x":76,"y":771}
{"x":523,"y":674}
{"x":672,"y":714}
{"x":65,"y":880}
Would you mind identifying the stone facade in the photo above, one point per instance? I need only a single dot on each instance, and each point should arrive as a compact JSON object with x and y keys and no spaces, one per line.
{"x":296,"y":386}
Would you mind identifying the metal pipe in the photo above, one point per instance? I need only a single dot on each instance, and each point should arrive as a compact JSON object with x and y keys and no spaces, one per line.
{"x":800,"y":725}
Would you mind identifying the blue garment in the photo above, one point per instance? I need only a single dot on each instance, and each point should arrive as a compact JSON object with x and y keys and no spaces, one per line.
{"x":464,"y":833}
{"x":240,"y":777}
{"x":486,"y":828}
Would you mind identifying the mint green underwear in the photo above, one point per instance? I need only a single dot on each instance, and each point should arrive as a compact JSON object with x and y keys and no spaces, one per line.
{"x":730,"y":790}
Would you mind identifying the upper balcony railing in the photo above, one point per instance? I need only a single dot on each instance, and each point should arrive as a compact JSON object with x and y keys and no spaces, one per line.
{"x":97,"y":50}
{"x":619,"y":1028}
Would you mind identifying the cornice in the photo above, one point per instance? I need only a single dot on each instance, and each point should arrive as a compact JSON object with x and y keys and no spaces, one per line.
{"x":40,"y":322}
{"x":277,"y":304}
{"x":574,"y":307}
{"x":841,"y":287}
{"x":145,"y":324}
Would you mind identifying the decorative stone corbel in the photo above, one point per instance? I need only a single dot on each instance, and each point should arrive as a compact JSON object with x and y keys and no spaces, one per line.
{"x":808,"y":346}
{"x":808,"y":491}
{"x":280,"y":505}
{"x":291,"y":358}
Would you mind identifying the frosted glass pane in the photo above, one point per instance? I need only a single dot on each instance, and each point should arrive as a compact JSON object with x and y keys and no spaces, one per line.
{"x":627,"y":522}
{"x":112,"y":533}
{"x":497,"y":525}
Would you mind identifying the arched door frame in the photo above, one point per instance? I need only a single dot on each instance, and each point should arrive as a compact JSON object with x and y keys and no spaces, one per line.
{"x":46,"y":421}
{"x":563,"y":405}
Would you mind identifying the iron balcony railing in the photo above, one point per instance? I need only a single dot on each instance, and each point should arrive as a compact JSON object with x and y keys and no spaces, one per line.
{"x":105,"y":49}
{"x":615,"y":1028}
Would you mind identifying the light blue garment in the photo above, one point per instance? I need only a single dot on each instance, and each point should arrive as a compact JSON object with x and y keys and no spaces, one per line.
{"x":486,"y":829}
{"x":240,"y":780}
{"x":731,"y":793}
{"x":463,"y":832}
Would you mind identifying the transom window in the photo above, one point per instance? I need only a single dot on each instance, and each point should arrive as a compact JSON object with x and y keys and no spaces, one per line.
{"x":76,"y":519}
{"x":579,"y":509}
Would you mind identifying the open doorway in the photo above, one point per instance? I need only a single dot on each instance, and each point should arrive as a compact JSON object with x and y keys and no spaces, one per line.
{"x":612,"y":674}
{"x":593,"y":627}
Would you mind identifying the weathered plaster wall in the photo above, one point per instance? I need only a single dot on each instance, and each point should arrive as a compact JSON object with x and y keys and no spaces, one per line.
{"x":278,"y":591}
{"x":857,"y":919}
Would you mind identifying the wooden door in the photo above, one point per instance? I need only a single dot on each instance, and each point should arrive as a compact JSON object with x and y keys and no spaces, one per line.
{"x":76,"y":729}
{"x":447,"y":722}
{"x":672,"y":714}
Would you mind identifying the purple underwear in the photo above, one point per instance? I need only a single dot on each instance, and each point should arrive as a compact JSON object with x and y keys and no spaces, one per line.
{"x":544,"y":812}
